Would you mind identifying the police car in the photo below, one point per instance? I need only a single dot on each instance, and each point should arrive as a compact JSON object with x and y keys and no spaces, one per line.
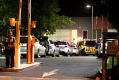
{"x":88,"y":47}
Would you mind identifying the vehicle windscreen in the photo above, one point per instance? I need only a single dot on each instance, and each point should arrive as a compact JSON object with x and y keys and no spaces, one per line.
{"x":43,"y":40}
{"x":90,"y":43}
{"x":60,"y":43}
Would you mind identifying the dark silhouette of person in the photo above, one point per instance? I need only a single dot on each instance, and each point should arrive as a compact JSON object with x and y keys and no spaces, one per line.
{"x":9,"y":44}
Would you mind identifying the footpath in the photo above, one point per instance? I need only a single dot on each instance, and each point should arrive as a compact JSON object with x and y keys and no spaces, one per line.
{"x":22,"y":66}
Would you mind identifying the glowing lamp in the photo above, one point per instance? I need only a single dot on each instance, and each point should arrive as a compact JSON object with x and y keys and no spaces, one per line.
{"x":33,"y":24}
{"x":12,"y":22}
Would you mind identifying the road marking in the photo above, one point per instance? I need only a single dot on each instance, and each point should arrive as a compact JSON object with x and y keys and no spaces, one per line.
{"x":46,"y":74}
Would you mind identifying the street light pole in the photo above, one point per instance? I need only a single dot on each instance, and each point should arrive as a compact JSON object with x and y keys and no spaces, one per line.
{"x":91,"y":6}
{"x":29,"y":34}
{"x":92,"y":22}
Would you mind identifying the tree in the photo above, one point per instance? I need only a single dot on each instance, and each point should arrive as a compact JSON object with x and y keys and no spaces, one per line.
{"x":8,"y":8}
{"x":45,"y":12}
{"x":112,"y":12}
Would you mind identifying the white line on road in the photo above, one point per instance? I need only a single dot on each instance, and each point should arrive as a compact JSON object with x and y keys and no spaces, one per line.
{"x":45,"y":74}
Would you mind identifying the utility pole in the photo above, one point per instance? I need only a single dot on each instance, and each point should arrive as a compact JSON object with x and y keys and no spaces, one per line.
{"x":29,"y":33}
{"x":17,"y":46}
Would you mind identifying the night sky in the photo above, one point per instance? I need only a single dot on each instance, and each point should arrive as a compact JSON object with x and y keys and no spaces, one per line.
{"x":77,"y":8}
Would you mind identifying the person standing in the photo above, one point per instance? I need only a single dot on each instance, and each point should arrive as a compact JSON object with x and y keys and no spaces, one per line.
{"x":9,"y":50}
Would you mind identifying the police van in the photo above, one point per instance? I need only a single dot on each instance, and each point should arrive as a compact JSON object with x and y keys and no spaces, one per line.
{"x":88,"y":47}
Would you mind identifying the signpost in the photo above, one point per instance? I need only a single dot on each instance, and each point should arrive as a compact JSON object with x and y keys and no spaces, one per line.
{"x":111,"y":38}
{"x":112,"y":47}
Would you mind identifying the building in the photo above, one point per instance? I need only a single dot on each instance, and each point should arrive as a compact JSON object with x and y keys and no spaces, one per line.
{"x":82,"y":29}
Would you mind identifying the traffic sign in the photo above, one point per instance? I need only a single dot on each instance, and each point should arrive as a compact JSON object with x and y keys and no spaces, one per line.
{"x":112,"y":47}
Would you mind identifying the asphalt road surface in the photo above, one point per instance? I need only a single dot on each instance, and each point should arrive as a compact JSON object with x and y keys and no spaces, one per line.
{"x":58,"y":68}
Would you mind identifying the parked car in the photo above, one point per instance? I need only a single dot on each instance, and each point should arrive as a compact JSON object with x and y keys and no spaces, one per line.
{"x":51,"y":49}
{"x":39,"y":50}
{"x":64,"y":47}
{"x":75,"y":50}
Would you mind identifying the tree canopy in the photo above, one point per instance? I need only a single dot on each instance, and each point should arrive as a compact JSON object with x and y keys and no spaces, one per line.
{"x":44,"y":12}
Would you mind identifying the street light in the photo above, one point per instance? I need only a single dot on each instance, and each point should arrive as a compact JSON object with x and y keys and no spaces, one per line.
{"x":91,"y":6}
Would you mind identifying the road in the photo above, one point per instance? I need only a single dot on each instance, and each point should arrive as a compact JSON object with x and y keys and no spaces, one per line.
{"x":60,"y":68}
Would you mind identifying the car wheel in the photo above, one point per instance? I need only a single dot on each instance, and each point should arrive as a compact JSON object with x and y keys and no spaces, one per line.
{"x":58,"y":54}
{"x":71,"y":54}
